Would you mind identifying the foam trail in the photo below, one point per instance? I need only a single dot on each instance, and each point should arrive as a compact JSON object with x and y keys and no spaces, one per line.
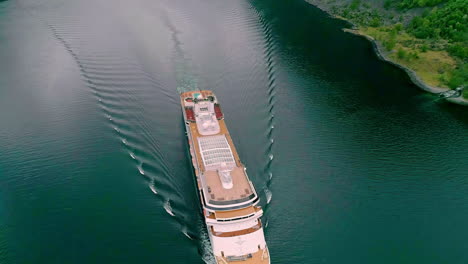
{"x":184,"y":231}
{"x":168,"y":207}
{"x":140,"y":169}
{"x":271,"y":156}
{"x":268,"y":195}
{"x":119,"y":84}
{"x":270,"y":175}
{"x":207,"y":252}
{"x":153,"y":189}
{"x":270,"y":131}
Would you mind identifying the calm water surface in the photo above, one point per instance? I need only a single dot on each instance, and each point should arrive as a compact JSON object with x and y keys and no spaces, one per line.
{"x":354,"y":164}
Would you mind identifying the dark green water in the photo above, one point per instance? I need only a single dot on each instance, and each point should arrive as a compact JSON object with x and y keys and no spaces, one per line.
{"x":354,"y":164}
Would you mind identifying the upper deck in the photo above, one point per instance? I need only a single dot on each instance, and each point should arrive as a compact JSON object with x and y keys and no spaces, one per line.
{"x":223,"y":177}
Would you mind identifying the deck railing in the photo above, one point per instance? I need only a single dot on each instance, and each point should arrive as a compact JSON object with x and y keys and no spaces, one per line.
{"x":239,"y":258}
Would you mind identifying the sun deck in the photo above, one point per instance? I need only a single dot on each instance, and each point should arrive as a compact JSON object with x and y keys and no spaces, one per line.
{"x":241,"y":189}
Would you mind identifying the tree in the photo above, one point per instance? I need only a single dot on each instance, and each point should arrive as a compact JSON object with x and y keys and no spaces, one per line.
{"x":459,"y":77}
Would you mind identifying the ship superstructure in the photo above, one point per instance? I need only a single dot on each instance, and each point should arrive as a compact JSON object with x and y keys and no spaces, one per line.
{"x":227,"y":195}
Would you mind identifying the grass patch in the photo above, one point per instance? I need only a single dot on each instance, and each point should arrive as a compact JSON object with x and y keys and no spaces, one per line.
{"x":432,"y":66}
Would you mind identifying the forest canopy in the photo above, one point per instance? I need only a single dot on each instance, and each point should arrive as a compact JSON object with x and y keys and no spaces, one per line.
{"x":405,"y":4}
{"x":448,"y":22}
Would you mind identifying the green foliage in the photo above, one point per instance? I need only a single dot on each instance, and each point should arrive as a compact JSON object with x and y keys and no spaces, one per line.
{"x":401,"y":54}
{"x":413,"y":55}
{"x":459,"y":50}
{"x":420,"y":28}
{"x":448,"y":22}
{"x":388,"y":4}
{"x":408,"y":56}
{"x":424,"y":48}
{"x":426,"y":12}
{"x":459,"y":77}
{"x":389,"y":44}
{"x":406,"y":4}
{"x":345,"y":13}
{"x":375,"y":22}
{"x":398,"y":27}
{"x":355,"y":4}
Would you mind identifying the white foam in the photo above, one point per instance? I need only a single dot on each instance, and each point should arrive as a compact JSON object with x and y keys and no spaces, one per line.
{"x":207,"y":251}
{"x":268,"y":195}
{"x":153,"y":189}
{"x":140,"y":169}
{"x":124,"y":141}
{"x":184,"y":231}
{"x":132,"y":155}
{"x":270,"y":156}
{"x":168,"y":208}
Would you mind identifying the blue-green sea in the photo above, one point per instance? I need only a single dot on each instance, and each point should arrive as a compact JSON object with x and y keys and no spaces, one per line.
{"x":353,"y":163}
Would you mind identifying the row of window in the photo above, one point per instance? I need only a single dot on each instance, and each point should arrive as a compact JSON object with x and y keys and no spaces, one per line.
{"x":234,"y":219}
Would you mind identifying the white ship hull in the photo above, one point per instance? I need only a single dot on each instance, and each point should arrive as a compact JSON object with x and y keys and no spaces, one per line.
{"x":227,"y":196}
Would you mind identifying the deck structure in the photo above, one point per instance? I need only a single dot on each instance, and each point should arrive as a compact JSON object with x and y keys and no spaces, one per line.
{"x":227,"y":195}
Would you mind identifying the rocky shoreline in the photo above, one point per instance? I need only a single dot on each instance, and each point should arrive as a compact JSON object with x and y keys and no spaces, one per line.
{"x":382,"y":56}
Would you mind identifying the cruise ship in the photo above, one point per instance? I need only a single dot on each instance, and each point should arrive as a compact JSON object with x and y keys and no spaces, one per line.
{"x":228,"y":197}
